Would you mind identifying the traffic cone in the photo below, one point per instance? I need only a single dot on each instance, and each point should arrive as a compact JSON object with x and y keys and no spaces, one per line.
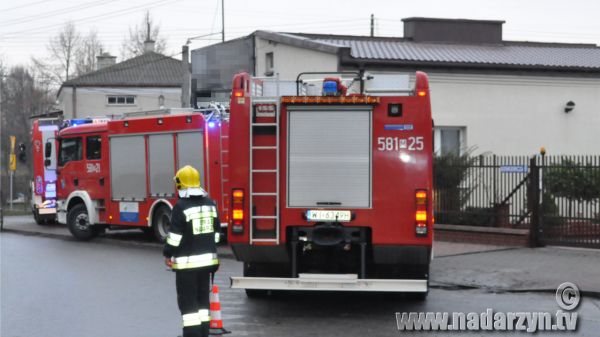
{"x":216,"y":323}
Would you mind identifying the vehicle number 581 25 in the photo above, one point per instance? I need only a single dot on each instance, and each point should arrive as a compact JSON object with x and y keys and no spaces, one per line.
{"x":396,"y":143}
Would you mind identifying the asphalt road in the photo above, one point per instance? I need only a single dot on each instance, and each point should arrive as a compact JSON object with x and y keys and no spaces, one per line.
{"x":53,"y":287}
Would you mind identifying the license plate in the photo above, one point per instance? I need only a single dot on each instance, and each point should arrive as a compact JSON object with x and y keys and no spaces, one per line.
{"x":321,"y":215}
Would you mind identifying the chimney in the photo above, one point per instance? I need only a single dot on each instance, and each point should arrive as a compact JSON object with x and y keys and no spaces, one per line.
{"x":105,"y":60}
{"x":453,"y":30}
{"x":148,"y":46}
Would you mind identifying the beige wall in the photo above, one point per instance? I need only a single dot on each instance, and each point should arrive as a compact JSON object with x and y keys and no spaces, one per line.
{"x":516,"y":115}
{"x":289,"y":61}
{"x":92,"y":101}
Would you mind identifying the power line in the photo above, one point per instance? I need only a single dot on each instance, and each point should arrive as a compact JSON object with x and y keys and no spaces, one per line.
{"x":97,"y":17}
{"x":57,"y":11}
{"x":4,"y":10}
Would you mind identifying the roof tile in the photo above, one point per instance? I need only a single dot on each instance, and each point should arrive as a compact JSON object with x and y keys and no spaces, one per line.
{"x":509,"y":53}
{"x":147,"y":70}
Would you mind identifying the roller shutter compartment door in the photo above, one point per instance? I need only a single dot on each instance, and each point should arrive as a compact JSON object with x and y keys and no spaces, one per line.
{"x":127,"y":168}
{"x":329,"y":157}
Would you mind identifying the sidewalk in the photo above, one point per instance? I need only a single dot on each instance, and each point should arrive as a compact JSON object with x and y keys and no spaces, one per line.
{"x":495,"y":268}
{"x":520,"y":269}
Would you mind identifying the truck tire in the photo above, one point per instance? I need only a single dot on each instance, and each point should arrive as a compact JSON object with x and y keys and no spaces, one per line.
{"x":249,"y":271}
{"x":161,"y":222}
{"x":37,"y":218}
{"x":78,"y":221}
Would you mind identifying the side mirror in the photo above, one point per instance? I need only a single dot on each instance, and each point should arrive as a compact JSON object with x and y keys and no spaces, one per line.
{"x":48,"y":150}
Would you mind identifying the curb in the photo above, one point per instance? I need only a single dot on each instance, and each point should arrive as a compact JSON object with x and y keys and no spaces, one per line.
{"x":456,"y":286}
{"x":477,"y":252}
{"x":101,"y":239}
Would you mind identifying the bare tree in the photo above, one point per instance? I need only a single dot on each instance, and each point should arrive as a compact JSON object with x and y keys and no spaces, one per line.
{"x":85,"y":55}
{"x":69,"y":55}
{"x":21,"y":98}
{"x":62,"y":50}
{"x":133,"y":45}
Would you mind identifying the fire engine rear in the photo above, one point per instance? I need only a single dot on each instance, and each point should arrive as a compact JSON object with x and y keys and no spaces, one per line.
{"x":331,"y":185}
{"x":119,"y":174}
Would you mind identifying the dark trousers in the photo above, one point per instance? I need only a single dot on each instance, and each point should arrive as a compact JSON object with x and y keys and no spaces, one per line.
{"x":193,"y":296}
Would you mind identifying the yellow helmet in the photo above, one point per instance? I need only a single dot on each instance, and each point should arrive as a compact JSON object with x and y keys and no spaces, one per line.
{"x":187,"y":177}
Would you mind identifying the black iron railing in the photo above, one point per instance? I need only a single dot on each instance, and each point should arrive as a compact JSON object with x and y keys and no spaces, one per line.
{"x":559,"y":195}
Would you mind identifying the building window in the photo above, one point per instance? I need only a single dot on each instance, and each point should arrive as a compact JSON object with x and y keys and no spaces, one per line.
{"x":450,"y":140}
{"x":269,"y":64}
{"x":93,"y":148}
{"x":120,"y":100}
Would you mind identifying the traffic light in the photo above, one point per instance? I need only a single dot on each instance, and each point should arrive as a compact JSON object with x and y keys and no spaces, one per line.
{"x":22,"y":155}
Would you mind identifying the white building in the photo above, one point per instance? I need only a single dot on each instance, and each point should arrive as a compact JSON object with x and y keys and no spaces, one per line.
{"x":502,"y":97}
{"x":150,"y":81}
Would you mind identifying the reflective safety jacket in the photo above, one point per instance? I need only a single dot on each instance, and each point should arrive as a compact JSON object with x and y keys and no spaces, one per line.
{"x":191,"y":242}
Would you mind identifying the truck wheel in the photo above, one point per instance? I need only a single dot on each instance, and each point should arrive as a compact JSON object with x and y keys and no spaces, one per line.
{"x":37,"y":218}
{"x":161,"y":222}
{"x":79,"y":223}
{"x":249,"y":271}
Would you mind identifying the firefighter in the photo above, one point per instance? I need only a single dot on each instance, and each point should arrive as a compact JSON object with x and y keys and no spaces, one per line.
{"x":190,"y":250}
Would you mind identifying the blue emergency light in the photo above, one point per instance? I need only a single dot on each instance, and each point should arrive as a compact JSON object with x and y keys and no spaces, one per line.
{"x":211,"y":124}
{"x":75,"y":122}
{"x":330,"y":88}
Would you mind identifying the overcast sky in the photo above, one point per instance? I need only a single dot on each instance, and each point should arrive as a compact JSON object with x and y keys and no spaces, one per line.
{"x":27,"y":25}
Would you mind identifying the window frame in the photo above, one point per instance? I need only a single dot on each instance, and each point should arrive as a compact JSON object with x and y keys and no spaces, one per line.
{"x":121,"y":100}
{"x":269,"y":63}
{"x":437,"y":138}
{"x":87,"y":147}
{"x":79,"y":155}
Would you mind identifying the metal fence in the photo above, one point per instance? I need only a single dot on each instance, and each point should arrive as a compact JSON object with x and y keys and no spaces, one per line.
{"x":557,"y":195}
{"x":570,"y":200}
{"x":482,"y":190}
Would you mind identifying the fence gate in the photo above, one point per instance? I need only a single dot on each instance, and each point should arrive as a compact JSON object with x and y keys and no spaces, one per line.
{"x":570,"y":201}
{"x":483,"y":191}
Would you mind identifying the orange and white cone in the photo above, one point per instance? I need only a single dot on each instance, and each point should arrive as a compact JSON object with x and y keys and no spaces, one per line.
{"x":216,"y":322}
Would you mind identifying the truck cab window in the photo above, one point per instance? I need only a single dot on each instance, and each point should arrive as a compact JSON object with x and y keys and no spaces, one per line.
{"x":70,"y":149}
{"x":93,"y":148}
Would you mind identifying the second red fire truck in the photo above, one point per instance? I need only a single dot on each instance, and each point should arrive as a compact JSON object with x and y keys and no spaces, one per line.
{"x":331,"y":186}
{"x":119,"y":173}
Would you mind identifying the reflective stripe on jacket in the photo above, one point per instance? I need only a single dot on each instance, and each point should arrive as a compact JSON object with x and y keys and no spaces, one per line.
{"x":191,"y":238}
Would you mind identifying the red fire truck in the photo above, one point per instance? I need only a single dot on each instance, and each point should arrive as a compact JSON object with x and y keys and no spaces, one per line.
{"x":119,"y":173}
{"x":332,"y":190}
{"x":43,"y":183}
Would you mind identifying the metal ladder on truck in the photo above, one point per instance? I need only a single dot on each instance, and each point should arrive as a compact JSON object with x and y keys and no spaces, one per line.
{"x":256,"y":235}
{"x":224,"y":160}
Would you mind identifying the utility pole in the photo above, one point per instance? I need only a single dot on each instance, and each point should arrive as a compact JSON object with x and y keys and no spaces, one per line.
{"x":222,"y":20}
{"x":1,"y":170}
{"x":186,"y":77}
{"x":372,"y":25}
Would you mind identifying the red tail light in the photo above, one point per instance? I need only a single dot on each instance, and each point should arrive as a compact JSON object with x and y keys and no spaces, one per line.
{"x":238,"y":92}
{"x":421,"y":212}
{"x":237,"y":215}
